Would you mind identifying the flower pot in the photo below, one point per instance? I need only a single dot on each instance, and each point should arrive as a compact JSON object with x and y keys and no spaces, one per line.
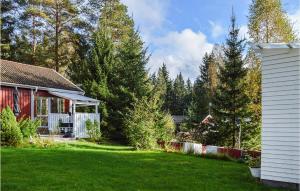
{"x":255,"y":172}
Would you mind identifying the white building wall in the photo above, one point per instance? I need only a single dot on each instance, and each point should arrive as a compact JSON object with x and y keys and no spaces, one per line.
{"x":281,"y":115}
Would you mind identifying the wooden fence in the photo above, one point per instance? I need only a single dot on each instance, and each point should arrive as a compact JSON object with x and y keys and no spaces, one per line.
{"x":78,"y":120}
{"x":54,"y":118}
{"x":205,"y":149}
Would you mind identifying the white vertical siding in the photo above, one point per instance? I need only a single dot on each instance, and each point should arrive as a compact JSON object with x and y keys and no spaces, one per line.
{"x":53,"y":120}
{"x":281,"y":115}
{"x":80,"y":119}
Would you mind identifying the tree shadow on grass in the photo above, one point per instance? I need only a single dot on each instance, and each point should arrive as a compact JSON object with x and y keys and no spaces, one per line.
{"x":101,"y":147}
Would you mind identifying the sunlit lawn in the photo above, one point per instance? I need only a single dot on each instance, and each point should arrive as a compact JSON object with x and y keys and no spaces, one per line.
{"x":86,"y":166}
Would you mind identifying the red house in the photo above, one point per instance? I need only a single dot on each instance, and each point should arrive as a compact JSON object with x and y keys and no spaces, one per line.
{"x":42,"y":93}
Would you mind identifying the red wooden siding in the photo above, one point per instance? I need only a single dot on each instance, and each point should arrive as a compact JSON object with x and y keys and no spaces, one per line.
{"x":67,"y":102}
{"x":6,"y":99}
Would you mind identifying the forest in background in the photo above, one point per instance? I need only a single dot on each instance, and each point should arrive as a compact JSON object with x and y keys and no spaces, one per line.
{"x":95,"y":44}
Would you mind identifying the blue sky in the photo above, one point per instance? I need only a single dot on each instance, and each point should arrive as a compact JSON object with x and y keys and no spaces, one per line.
{"x":179,"y":32}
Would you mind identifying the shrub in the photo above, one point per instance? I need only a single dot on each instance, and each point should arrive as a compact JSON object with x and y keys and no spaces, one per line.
{"x":146,"y":125}
{"x":139,"y":127}
{"x":93,"y":130}
{"x":165,"y":128}
{"x":29,"y":127}
{"x":254,"y":162}
{"x":10,"y":132}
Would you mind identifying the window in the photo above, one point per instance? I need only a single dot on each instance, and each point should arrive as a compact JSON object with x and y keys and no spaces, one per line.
{"x":42,"y":110}
{"x":57,"y":105}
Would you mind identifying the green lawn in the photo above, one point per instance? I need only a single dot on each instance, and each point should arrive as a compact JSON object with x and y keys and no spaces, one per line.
{"x":86,"y":166}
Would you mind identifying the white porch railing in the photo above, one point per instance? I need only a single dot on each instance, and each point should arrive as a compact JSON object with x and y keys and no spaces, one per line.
{"x":79,"y":123}
{"x":54,"y":118}
{"x":78,"y":120}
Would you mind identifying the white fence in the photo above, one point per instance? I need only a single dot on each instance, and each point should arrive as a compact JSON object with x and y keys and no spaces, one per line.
{"x":79,"y":123}
{"x":78,"y":120}
{"x":54,"y":118}
{"x":192,"y":147}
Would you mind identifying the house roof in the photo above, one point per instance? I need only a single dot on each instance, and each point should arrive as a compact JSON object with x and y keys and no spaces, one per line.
{"x":80,"y":99}
{"x":24,"y":74}
{"x":178,"y":118}
{"x":259,"y":46}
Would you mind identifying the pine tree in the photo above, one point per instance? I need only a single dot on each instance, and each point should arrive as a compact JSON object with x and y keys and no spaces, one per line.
{"x":32,"y":25}
{"x":8,"y":28}
{"x":114,"y":18}
{"x":230,"y":103}
{"x":63,"y":23}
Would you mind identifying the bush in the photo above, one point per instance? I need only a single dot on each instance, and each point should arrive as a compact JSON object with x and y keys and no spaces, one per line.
{"x":254,"y":162}
{"x":10,"y":132}
{"x":139,"y":127}
{"x":29,"y":127}
{"x":93,"y":130}
{"x":146,"y":125}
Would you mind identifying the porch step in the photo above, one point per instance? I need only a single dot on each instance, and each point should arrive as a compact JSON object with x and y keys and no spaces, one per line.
{"x":57,"y":138}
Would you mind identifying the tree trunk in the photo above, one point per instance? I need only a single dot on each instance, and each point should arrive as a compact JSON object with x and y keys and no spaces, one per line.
{"x":56,"y":38}
{"x":33,"y":41}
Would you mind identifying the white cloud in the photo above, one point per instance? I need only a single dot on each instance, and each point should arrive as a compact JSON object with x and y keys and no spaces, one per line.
{"x":181,"y":52}
{"x":149,"y":15}
{"x":243,"y":33}
{"x":295,"y":19}
{"x":216,"y":29}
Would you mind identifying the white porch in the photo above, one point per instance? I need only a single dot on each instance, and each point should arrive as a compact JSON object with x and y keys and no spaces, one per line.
{"x":72,"y":123}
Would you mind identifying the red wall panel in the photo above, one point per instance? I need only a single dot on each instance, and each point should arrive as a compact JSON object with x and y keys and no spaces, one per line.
{"x":6,"y":99}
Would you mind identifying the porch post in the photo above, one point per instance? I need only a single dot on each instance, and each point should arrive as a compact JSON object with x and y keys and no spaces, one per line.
{"x":49,"y":113}
{"x":96,"y":108}
{"x":74,"y":118}
{"x":32,"y":105}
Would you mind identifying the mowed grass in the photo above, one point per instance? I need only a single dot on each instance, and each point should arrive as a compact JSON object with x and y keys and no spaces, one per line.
{"x":86,"y":166}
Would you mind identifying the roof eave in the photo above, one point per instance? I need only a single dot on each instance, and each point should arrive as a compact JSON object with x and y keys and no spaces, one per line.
{"x":41,"y":88}
{"x":261,"y":46}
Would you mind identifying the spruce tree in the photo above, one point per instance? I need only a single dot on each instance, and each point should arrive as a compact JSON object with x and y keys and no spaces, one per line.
{"x":98,"y":74}
{"x":230,"y":103}
{"x":116,"y":73}
{"x":178,"y":106}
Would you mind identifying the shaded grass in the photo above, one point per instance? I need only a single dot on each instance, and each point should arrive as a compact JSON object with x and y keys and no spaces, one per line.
{"x":86,"y":166}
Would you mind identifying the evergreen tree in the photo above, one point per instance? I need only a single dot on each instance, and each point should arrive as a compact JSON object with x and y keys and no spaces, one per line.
{"x":32,"y":25}
{"x":63,"y":25}
{"x":164,"y":84}
{"x":204,"y":89}
{"x":178,"y":106}
{"x":114,"y":18}
{"x":230,"y":103}
{"x":116,"y":72}
{"x":98,"y":74}
{"x":8,"y":27}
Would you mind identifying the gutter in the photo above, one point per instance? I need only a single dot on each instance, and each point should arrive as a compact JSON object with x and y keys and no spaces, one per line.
{"x":36,"y":88}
